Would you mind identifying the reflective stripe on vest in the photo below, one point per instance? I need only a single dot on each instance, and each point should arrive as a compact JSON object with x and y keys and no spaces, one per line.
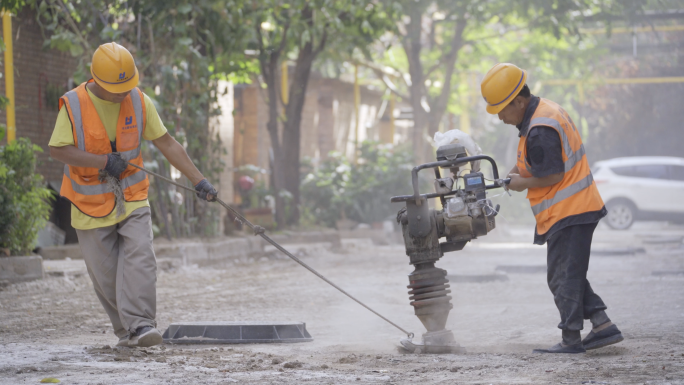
{"x":573,"y":156}
{"x":563,"y":194}
{"x":133,"y":179}
{"x":103,"y":188}
{"x":576,"y":193}
{"x":81,"y":185}
{"x":85,"y":189}
{"x":137,"y":108}
{"x":75,"y":105}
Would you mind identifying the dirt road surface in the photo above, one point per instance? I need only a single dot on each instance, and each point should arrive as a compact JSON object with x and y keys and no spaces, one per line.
{"x":57,"y":328}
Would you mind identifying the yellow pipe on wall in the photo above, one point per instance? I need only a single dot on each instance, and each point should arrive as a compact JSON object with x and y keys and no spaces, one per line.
{"x":284,"y":86}
{"x":464,"y":122}
{"x":9,"y":75}
{"x":660,"y":28}
{"x":574,"y":82}
{"x":357,"y":103}
{"x":391,"y":111}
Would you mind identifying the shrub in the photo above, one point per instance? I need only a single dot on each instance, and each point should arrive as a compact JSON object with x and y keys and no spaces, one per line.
{"x":360,"y":192}
{"x":24,"y":202}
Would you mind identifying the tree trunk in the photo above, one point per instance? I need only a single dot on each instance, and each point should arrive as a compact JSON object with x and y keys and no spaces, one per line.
{"x":292,"y":125}
{"x":427,"y":111}
{"x":440,"y":103}
{"x":286,"y":150}
{"x":293,"y":115}
{"x":413,"y":46}
{"x":278,"y":169}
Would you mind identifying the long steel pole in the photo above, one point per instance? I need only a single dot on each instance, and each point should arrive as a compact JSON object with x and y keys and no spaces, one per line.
{"x":258,"y":230}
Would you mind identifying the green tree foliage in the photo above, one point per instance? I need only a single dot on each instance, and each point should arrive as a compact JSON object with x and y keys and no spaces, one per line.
{"x":181,"y":49}
{"x":12,"y":6}
{"x":24,"y":202}
{"x":360,"y":192}
{"x":442,"y":42}
{"x":302,"y":30}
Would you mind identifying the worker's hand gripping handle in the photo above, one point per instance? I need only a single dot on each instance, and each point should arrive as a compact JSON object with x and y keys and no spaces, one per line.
{"x":504,"y":183}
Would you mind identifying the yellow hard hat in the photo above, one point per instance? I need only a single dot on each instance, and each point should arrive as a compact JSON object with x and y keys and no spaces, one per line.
{"x":501,"y":85}
{"x":113,"y":68}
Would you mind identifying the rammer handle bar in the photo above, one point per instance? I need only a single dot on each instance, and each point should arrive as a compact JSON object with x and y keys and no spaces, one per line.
{"x":258,"y":230}
{"x":447,"y":163}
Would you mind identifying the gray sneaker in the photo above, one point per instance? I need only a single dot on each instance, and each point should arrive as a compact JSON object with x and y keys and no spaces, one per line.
{"x":145,"y":336}
{"x":124,"y":341}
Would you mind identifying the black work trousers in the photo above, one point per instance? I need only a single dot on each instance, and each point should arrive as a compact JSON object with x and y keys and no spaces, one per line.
{"x":567,"y":262}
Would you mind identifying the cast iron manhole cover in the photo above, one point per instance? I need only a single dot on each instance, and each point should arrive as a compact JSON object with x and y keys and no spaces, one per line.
{"x":236,"y":333}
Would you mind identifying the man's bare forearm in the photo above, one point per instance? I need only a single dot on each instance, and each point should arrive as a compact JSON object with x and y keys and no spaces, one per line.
{"x":75,"y":157}
{"x":518,"y":183}
{"x":176,"y":155}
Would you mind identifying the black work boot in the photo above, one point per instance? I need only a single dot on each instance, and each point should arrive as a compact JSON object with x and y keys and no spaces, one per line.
{"x":604,"y":335}
{"x":571,"y":344}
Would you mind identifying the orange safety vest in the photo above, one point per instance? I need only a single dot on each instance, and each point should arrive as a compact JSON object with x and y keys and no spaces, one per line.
{"x":81,"y":185}
{"x":577,"y":192}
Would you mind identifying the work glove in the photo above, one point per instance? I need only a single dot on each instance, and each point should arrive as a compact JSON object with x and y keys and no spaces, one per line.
{"x":204,"y":189}
{"x":115,"y":165}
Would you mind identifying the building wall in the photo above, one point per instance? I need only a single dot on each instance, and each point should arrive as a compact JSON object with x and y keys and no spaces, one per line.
{"x":328,"y":123}
{"x":38,"y":74}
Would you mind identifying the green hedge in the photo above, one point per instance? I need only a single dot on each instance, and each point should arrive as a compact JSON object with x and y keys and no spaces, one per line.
{"x":24,"y":202}
{"x":358,"y":192}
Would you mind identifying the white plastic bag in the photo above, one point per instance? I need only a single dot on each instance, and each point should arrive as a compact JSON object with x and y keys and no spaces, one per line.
{"x":460,"y":137}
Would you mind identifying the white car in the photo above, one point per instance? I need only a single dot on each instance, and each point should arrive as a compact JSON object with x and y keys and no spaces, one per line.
{"x":641,"y":187}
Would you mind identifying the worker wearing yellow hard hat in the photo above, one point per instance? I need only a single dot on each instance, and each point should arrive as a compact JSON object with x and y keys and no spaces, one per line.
{"x":501,"y":85}
{"x":98,"y":135}
{"x":552,"y":166}
{"x":113,"y":68}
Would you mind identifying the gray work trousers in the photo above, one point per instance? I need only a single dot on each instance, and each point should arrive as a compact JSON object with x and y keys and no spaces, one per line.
{"x":122,"y":265}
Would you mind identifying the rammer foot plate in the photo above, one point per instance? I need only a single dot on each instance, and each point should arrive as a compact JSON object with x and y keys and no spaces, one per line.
{"x":420,"y":348}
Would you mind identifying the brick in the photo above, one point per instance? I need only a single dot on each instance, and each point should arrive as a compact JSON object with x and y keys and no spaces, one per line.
{"x":72,"y":251}
{"x":21,"y":269}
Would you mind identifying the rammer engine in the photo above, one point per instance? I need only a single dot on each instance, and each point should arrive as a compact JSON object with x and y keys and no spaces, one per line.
{"x":466,"y":215}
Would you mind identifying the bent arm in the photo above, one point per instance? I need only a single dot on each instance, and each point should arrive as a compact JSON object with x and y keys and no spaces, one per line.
{"x":75,"y":157}
{"x":514,"y":170}
{"x":178,"y":157}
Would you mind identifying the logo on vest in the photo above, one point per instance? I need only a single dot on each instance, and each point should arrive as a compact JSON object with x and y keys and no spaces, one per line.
{"x":122,"y":76}
{"x":519,"y":154}
{"x":128,"y":123}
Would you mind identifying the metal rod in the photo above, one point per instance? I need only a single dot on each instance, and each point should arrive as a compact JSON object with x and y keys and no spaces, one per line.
{"x":258,"y":230}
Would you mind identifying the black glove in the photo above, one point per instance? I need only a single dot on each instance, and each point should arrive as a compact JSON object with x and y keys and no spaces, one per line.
{"x":115,"y":165}
{"x":205,"y":188}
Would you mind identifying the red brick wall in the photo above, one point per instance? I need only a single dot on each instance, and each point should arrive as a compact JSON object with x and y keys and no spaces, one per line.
{"x":34,"y":69}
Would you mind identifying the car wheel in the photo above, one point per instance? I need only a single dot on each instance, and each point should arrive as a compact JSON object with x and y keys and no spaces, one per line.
{"x":621,"y":215}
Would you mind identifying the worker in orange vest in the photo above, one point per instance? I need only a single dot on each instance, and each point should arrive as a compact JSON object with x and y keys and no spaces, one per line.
{"x":100,"y":128}
{"x":553,"y":168}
